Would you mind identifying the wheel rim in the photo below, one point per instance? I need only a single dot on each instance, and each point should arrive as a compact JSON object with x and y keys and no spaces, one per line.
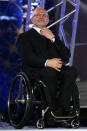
{"x":75,"y":123}
{"x":19,"y":100}
{"x":40,"y":124}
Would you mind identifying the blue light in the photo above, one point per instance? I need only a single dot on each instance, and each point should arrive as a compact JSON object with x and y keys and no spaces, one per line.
{"x":11,"y":15}
{"x":7,"y":18}
{"x":36,"y":0}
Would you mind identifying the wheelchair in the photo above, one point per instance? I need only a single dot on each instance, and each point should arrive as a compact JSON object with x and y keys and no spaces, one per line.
{"x":26,"y":96}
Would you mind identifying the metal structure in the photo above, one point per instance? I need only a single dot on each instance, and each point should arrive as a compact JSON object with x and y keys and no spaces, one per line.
{"x":63,"y":18}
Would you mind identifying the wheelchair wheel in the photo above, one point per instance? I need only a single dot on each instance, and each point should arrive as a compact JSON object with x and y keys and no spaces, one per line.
{"x":40,"y":124}
{"x":19,"y":101}
{"x":75,"y":123}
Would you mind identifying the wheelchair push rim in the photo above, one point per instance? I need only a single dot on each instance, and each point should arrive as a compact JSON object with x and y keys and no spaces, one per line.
{"x":19,"y":101}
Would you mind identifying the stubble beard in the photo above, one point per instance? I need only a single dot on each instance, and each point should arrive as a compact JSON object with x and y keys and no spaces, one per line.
{"x":39,"y":25}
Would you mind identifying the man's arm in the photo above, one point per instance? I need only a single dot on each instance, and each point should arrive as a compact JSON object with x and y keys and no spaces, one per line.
{"x":27,"y":54}
{"x":62,"y":49}
{"x":56,"y":63}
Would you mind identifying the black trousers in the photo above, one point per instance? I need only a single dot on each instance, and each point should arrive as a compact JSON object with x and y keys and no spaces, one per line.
{"x":51,"y":77}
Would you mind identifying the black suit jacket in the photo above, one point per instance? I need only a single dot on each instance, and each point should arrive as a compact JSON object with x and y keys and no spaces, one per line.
{"x":35,"y":49}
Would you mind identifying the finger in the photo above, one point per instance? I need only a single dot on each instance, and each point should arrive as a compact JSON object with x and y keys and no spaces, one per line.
{"x":59,"y":65}
{"x":58,"y":69}
{"x":59,"y":60}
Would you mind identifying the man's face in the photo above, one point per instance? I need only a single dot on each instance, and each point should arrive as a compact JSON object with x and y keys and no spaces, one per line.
{"x":40,"y":18}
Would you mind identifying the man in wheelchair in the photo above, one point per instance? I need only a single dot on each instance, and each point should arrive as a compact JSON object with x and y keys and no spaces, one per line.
{"x":44,"y":57}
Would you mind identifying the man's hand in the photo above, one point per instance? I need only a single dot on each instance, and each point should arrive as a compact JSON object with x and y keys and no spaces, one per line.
{"x":47,"y":33}
{"x":55,"y":63}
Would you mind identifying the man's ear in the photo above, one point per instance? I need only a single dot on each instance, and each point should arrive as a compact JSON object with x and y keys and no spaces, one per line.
{"x":48,"y":20}
{"x":32,"y":19}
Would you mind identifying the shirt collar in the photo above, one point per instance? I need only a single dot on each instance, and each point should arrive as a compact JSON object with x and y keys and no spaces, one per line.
{"x":37,"y":29}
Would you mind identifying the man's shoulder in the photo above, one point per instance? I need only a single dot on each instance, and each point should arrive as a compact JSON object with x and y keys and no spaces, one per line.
{"x":26,"y":33}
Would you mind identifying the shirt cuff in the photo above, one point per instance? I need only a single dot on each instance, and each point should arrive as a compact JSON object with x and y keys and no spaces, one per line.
{"x":53,"y":40}
{"x":45,"y":62}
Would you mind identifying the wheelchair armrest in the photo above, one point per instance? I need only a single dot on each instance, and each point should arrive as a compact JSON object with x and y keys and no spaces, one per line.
{"x":67,"y":64}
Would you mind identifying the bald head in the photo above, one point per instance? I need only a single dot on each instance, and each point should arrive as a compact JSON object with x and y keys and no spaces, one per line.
{"x":39,"y":10}
{"x":40,"y":17}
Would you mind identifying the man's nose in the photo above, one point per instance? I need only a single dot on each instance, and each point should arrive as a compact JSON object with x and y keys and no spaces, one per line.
{"x":41,"y":16}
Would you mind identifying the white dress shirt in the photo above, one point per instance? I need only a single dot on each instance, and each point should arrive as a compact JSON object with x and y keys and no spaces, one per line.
{"x":37,"y":29}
